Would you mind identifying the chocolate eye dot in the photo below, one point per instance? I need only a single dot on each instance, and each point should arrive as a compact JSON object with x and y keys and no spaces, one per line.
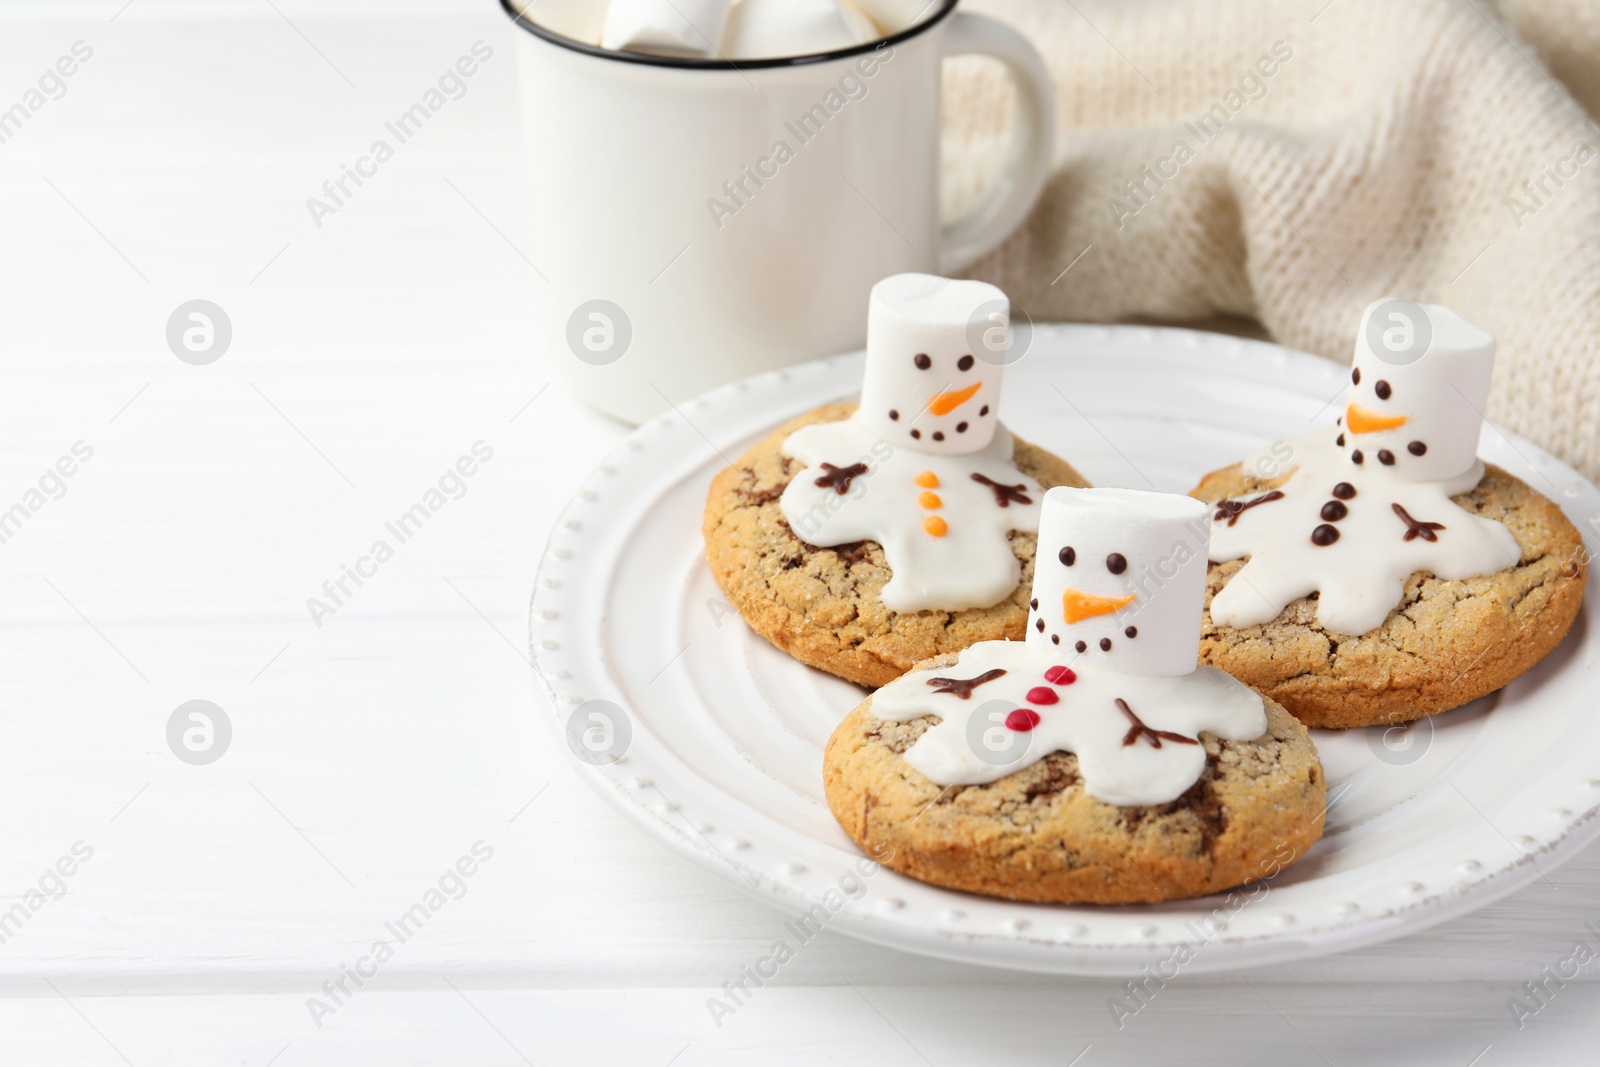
{"x":1385,"y":457}
{"x":1055,"y":639}
{"x":1417,"y":448}
{"x":1039,"y":625}
{"x":1034,"y":603}
{"x":961,"y":427}
{"x":1105,"y":644}
{"x":1356,"y":456}
{"x":1340,"y":441}
{"x":1344,"y":490}
{"x":922,"y":361}
{"x":1116,"y":563}
{"x":1068,"y":556}
{"x":984,"y":410}
{"x":1131,"y":632}
{"x":964,"y":363}
{"x":1355,"y":376}
{"x":938,"y":435}
{"x":894,"y":416}
{"x":916,"y":435}
{"x":1382,"y":389}
{"x":1081,"y":647}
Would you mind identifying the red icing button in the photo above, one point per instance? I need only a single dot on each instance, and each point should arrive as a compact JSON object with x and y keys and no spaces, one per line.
{"x":1060,"y":676}
{"x":1042,"y":694}
{"x":1022,"y":720}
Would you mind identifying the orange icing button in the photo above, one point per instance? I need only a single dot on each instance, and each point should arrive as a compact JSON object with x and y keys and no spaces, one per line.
{"x":930,"y":500}
{"x":945,"y":403}
{"x":1358,"y":419}
{"x":928,"y":480}
{"x":935,"y":525}
{"x":1076,"y":606}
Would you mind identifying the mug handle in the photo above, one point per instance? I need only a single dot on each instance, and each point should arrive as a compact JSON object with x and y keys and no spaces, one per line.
{"x":1016,"y":189}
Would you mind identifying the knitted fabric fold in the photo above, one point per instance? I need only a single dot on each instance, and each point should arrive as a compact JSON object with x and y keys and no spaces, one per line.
{"x":1293,"y":161}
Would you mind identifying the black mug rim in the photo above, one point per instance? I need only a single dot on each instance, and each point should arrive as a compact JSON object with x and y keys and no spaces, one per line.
{"x":551,"y":37}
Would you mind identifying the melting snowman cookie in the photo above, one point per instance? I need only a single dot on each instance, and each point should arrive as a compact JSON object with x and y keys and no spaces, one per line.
{"x":865,"y":538}
{"x":924,"y":466}
{"x":1369,"y":503}
{"x":1131,"y":706}
{"x":1086,"y":763}
{"x":1386,"y":573}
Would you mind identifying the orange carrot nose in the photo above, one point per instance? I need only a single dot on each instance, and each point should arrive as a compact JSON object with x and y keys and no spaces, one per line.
{"x":1076,"y":606}
{"x":1358,"y":419}
{"x":945,"y":403}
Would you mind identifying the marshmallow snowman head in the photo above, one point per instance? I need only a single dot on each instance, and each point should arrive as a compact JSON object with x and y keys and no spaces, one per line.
{"x":1419,"y":382}
{"x":1120,"y":579}
{"x":925,"y":388}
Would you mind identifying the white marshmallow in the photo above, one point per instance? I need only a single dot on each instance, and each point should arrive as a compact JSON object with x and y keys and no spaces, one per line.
{"x":892,"y":16}
{"x":926,"y":388}
{"x":580,"y":20}
{"x":767,"y":29}
{"x":1435,"y":367}
{"x":687,"y":28}
{"x":1110,"y":559}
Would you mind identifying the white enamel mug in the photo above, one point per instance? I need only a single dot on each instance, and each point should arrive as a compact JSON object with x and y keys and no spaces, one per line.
{"x":697,"y":221}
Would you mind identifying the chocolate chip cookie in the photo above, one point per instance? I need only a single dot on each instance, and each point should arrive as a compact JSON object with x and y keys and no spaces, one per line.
{"x":823,"y":605}
{"x":1037,"y":835}
{"x":1445,"y":644}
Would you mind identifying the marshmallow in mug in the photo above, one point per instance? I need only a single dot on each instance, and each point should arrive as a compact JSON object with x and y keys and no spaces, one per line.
{"x":689,"y":28}
{"x":726,"y":29}
{"x":1419,"y":383}
{"x":1120,"y":578}
{"x":768,"y":29}
{"x":893,"y":16}
{"x":580,"y":20}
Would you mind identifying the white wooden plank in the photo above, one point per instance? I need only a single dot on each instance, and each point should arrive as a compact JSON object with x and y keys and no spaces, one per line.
{"x":393,"y":746}
{"x":862,"y":1024}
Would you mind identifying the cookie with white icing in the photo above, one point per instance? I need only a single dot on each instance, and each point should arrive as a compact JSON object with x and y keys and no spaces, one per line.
{"x":862,"y":539}
{"x":1383,"y":572}
{"x":1094,"y":761}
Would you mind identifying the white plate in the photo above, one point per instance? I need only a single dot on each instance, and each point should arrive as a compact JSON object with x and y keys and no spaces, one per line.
{"x":716,"y":743}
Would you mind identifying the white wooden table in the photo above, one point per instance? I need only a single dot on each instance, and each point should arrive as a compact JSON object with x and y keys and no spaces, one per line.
{"x":370,"y":753}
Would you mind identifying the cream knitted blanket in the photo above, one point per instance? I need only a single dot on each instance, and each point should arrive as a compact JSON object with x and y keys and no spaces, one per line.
{"x":1292,"y":160}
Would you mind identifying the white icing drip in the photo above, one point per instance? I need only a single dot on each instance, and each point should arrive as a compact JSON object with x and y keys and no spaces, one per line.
{"x":971,"y":745}
{"x":970,"y":566}
{"x":1361,"y":577}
